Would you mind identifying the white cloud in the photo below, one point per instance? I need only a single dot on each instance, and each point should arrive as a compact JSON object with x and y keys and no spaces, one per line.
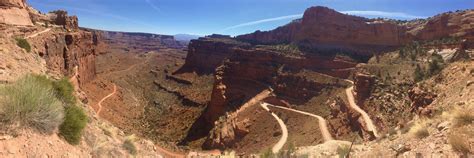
{"x":264,"y":21}
{"x":352,"y":12}
{"x":153,"y":5}
{"x":382,"y":14}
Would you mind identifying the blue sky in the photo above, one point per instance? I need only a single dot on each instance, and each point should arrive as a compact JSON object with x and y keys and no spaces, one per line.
{"x":233,"y":17}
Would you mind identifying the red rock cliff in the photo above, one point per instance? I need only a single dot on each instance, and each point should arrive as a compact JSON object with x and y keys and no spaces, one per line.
{"x":326,"y":28}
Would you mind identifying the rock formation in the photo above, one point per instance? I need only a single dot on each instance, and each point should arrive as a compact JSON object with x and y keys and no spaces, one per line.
{"x":14,"y":12}
{"x":60,"y":17}
{"x":421,"y":99}
{"x":325,"y":28}
{"x":242,"y":71}
{"x":363,"y":86}
{"x":225,"y":134}
{"x":62,"y":49}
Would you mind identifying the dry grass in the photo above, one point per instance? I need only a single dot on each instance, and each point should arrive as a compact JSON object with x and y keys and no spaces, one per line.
{"x":129,"y":145}
{"x":419,"y":130}
{"x":459,"y":143}
{"x":108,"y":130}
{"x":462,"y":117}
{"x":31,"y":102}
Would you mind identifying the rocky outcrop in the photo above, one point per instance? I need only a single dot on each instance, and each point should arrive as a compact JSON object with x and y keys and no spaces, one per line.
{"x":60,"y":17}
{"x":421,"y":99}
{"x":14,"y":12}
{"x":363,"y":86}
{"x":226,"y":133}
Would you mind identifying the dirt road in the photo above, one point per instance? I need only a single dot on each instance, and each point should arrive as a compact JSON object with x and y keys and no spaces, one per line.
{"x":38,"y":33}
{"x":369,"y":123}
{"x":284,"y":136}
{"x":103,"y":99}
{"x":323,"y":126}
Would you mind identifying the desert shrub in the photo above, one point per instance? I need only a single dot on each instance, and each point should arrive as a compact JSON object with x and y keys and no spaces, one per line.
{"x":419,"y":130}
{"x":463,"y":117}
{"x":74,"y":122}
{"x":31,"y":102}
{"x":267,"y":154}
{"x":129,"y":145}
{"x":65,"y":91}
{"x":343,"y":151}
{"x":435,"y":65}
{"x":23,"y":43}
{"x":419,"y":75}
{"x":458,"y":143}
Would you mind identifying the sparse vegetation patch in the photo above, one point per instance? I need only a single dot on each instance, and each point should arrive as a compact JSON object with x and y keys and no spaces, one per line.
{"x":419,"y":130}
{"x":23,"y":43}
{"x":129,"y":145}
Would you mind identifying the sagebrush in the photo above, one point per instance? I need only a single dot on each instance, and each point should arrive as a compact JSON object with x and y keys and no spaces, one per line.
{"x":31,"y":102}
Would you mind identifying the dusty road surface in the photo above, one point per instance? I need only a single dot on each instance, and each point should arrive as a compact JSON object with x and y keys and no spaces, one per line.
{"x":365,"y":116}
{"x":323,"y":126}
{"x":284,"y":136}
{"x":103,"y":99}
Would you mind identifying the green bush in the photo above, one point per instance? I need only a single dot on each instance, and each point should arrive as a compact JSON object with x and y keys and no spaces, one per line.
{"x":31,"y":102}
{"x":65,"y":91}
{"x":74,"y":122}
{"x":23,"y":43}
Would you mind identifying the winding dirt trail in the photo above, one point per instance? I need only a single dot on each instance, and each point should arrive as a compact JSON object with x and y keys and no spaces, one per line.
{"x":38,"y":33}
{"x":277,"y":147}
{"x":103,"y":99}
{"x":369,"y":123}
{"x":323,"y":125}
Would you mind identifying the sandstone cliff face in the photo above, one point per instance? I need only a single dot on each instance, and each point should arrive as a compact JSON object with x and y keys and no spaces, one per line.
{"x":322,"y":27}
{"x":326,"y":28}
{"x":60,"y":49}
{"x":14,"y":12}
{"x":206,"y":54}
{"x":457,"y":24}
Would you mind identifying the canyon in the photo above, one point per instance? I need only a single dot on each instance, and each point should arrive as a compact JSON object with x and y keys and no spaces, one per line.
{"x":310,"y":87}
